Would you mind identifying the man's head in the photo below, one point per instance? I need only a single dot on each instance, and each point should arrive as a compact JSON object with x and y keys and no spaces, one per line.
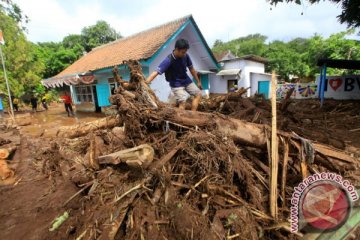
{"x":181,"y":47}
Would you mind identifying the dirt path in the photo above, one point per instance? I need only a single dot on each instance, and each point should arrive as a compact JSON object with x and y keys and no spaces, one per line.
{"x":31,"y":200}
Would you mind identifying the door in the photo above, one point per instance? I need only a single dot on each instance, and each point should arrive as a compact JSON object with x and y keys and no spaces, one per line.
{"x":96,"y":102}
{"x":263,"y":88}
{"x":103,"y":94}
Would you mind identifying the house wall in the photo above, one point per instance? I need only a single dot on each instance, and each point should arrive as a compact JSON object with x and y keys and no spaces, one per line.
{"x":255,"y":78}
{"x":197,"y":53}
{"x":248,"y":68}
{"x":219,"y":85}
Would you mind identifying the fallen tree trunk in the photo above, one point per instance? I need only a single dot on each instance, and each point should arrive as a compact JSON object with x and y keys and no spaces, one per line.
{"x":85,"y":128}
{"x":6,"y":152}
{"x":242,"y":132}
{"x":5,"y":171}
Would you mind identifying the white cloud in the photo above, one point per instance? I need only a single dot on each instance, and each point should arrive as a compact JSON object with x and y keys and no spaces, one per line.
{"x":51,"y":20}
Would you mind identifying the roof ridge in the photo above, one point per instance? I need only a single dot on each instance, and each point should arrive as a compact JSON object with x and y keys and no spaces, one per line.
{"x":141,"y":32}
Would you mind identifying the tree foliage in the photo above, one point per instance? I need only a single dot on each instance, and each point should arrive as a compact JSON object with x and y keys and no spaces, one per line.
{"x":349,"y":14}
{"x":24,"y":67}
{"x":58,"y":56}
{"x":298,"y":56}
{"x":27,"y":63}
{"x":98,"y":34}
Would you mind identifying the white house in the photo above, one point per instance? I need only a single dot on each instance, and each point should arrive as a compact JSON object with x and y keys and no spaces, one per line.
{"x":246,"y":71}
{"x":90,"y":78}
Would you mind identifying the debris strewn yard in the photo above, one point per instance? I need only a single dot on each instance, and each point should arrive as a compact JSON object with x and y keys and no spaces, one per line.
{"x":152,"y":171}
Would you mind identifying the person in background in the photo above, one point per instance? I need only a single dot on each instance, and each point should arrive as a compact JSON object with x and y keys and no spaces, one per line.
{"x":175,"y":67}
{"x":43,"y":102}
{"x":33,"y":101}
{"x":234,"y":88}
{"x":1,"y":108}
{"x":67,"y":103}
{"x":16,"y":104}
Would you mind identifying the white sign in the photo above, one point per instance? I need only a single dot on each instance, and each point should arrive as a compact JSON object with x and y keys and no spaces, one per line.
{"x":341,"y":87}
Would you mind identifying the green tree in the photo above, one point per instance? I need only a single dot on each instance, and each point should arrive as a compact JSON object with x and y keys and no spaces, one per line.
{"x":98,"y":34}
{"x":24,"y":68}
{"x":251,"y":44}
{"x":285,"y":60}
{"x":74,"y":42}
{"x":349,"y":14}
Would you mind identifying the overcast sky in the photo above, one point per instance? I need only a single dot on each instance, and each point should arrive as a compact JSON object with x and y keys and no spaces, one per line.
{"x":51,"y":20}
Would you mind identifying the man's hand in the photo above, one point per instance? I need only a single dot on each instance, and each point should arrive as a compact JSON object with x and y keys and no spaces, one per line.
{"x":200,"y":86}
{"x":151,"y":77}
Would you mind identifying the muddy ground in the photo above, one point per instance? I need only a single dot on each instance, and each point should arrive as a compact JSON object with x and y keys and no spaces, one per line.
{"x":30,"y":200}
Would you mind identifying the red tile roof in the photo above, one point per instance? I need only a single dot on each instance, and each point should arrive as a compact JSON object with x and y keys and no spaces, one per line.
{"x":138,"y":46}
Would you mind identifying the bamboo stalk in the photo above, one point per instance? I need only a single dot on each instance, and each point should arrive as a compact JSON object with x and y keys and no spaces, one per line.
{"x":274,"y":152}
{"x":284,"y":170}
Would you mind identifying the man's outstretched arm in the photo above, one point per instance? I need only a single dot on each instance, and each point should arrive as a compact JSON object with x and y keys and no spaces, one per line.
{"x":151,"y":77}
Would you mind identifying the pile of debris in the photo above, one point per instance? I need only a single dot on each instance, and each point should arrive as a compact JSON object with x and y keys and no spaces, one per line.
{"x":156,"y":172}
{"x":334,"y":124}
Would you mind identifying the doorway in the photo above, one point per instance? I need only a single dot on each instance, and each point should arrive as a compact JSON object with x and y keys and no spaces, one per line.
{"x":96,"y":102}
{"x":232,"y":85}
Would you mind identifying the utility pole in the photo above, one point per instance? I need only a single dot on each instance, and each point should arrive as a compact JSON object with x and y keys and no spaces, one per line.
{"x":6,"y":79}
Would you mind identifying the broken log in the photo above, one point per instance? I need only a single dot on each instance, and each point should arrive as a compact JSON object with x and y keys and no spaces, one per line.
{"x":286,"y":102}
{"x":85,"y":128}
{"x":140,"y":156}
{"x":6,"y":152}
{"x":243,"y":132}
{"x":5,"y":171}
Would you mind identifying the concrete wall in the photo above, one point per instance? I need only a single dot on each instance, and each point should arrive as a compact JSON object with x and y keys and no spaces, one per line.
{"x":255,"y":78}
{"x":248,"y":68}
{"x":219,"y":85}
{"x":337,"y":87}
{"x":341,"y":87}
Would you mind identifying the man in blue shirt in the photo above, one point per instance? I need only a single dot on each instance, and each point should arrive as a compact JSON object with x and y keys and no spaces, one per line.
{"x":175,"y":68}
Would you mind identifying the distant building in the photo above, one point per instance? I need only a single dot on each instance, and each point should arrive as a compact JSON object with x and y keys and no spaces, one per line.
{"x":246,"y":71}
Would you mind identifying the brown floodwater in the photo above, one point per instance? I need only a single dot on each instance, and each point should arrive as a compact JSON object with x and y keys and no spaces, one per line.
{"x":49,"y":121}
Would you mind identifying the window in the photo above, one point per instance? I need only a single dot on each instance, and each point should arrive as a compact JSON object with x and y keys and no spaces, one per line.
{"x":84,"y":93}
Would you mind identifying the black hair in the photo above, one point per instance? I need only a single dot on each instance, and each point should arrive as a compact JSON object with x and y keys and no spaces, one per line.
{"x":182,"y":44}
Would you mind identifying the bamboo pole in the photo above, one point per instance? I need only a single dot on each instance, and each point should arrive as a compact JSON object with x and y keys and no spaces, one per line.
{"x":274,"y":152}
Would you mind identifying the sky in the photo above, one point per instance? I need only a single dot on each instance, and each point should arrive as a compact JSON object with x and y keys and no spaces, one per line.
{"x":51,"y":20}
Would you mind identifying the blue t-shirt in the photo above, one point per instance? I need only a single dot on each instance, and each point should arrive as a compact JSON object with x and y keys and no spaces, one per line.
{"x":175,"y":70}
{"x":1,"y":106}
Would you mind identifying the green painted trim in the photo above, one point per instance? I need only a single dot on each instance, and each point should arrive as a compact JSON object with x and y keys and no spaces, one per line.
{"x":181,"y":28}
